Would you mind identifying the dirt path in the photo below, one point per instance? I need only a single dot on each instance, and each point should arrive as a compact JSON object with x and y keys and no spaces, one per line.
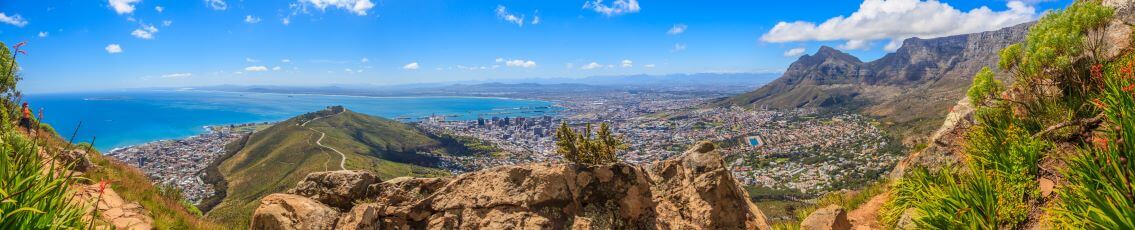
{"x":342,"y":157}
{"x":867,"y":215}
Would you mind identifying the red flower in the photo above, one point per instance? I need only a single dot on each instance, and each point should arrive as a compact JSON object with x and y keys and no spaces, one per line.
{"x":1099,"y":141}
{"x":1099,"y":103}
{"x":18,"y":45}
{"x":1097,"y":71}
{"x":1129,"y":88}
{"x":102,"y":185}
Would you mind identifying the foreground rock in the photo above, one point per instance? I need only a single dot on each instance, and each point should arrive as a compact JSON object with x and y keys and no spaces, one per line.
{"x":695,"y":191}
{"x":832,"y":217}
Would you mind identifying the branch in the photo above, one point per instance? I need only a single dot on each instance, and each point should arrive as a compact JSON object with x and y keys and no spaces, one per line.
{"x":1078,"y":122}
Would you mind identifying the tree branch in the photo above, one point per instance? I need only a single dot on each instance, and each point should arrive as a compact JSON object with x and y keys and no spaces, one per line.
{"x":1078,"y":122}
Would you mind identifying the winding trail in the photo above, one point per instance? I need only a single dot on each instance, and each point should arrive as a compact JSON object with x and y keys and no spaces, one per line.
{"x":342,"y":157}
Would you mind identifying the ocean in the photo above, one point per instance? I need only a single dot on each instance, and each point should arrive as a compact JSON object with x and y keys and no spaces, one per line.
{"x":123,"y":118}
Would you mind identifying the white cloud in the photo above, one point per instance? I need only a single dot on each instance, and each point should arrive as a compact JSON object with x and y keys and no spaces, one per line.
{"x":893,"y":45}
{"x":358,"y":7}
{"x":113,"y":48}
{"x":177,"y":75}
{"x":159,"y":9}
{"x":794,"y":52}
{"x":286,"y":60}
{"x":123,"y":6}
{"x":217,"y":4}
{"x":250,"y":60}
{"x":535,"y":19}
{"x":678,"y":47}
{"x":365,"y":60}
{"x":517,"y":63}
{"x":167,"y":23}
{"x":901,"y":19}
{"x":618,"y":7}
{"x":258,"y":68}
{"x":286,"y":21}
{"x":855,"y":45}
{"x":14,"y":20}
{"x":277,"y":68}
{"x":591,"y":65}
{"x":626,"y":63}
{"x":146,"y":32}
{"x":677,"y":29}
{"x":503,"y":14}
{"x":648,"y":65}
{"x":42,"y":34}
{"x":251,"y":20}
{"x":411,"y":66}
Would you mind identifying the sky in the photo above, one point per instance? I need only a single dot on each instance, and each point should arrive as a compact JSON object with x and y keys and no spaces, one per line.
{"x":88,"y":45}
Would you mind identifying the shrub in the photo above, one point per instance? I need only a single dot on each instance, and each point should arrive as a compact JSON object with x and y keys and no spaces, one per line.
{"x":583,"y":148}
{"x":32,"y":196}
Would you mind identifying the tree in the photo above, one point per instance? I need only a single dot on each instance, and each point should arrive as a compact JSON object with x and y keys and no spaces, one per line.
{"x":583,"y":148}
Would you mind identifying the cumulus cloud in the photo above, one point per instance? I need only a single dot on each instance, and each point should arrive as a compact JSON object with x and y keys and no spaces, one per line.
{"x":535,"y":19}
{"x":159,"y":9}
{"x":285,"y":21}
{"x":592,"y":65}
{"x":277,"y":68}
{"x":258,"y":68}
{"x":42,"y":34}
{"x":167,"y":23}
{"x":251,"y":20}
{"x":411,"y":66}
{"x":677,"y":29}
{"x":286,"y":60}
{"x":123,"y":6}
{"x":217,"y":4}
{"x":626,"y":63}
{"x":503,"y":14}
{"x":901,"y":19}
{"x":618,"y":7}
{"x":113,"y":48}
{"x":365,"y":60}
{"x":358,"y":7}
{"x":678,"y":47}
{"x":794,"y":52}
{"x":855,"y":45}
{"x":179,"y":75}
{"x":250,"y":60}
{"x":14,"y":20}
{"x":146,"y":32}
{"x":517,"y":63}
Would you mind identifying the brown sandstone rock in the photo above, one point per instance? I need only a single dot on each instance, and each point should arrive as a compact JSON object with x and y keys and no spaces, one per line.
{"x":336,"y":188}
{"x":832,"y":217}
{"x":286,"y":211}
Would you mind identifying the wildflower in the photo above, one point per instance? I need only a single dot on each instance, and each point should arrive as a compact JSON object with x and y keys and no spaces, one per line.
{"x":1097,"y":71}
{"x":1129,"y":88}
{"x":102,"y":186}
{"x":1099,"y":103}
{"x":1099,"y":141}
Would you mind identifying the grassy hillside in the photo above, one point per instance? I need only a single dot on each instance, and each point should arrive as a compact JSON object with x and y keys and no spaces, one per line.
{"x":276,"y":158}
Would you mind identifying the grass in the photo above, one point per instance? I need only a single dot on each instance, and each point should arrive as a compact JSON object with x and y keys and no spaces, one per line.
{"x":33,"y":195}
{"x":169,"y":210}
{"x":288,"y":152}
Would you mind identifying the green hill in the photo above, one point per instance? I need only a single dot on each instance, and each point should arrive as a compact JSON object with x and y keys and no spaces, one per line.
{"x":276,"y":158}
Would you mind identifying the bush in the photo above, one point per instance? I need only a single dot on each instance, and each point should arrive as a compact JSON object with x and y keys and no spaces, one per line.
{"x":29,"y":197}
{"x":582,"y":148}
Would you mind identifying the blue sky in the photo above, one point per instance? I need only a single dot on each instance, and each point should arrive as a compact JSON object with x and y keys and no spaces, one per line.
{"x":81,"y":45}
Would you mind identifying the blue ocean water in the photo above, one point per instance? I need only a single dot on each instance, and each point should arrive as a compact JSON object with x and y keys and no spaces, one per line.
{"x":120,"y":119}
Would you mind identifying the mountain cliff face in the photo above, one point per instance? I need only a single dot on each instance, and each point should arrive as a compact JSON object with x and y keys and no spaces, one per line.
{"x":911,"y":89}
{"x":695,"y":191}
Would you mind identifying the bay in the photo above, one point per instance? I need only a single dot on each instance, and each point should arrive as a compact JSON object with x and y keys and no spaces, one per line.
{"x":123,"y":118}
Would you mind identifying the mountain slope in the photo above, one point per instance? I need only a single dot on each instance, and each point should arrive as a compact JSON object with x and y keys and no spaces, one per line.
{"x":276,"y":158}
{"x":910,"y":89}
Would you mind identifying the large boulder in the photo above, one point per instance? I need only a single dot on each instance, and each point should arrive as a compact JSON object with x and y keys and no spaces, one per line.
{"x":287,"y":211}
{"x":337,"y":189}
{"x":832,"y":217}
{"x":947,"y":144}
{"x":695,"y":191}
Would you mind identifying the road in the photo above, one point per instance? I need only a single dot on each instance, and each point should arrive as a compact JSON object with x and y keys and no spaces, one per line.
{"x":342,"y":157}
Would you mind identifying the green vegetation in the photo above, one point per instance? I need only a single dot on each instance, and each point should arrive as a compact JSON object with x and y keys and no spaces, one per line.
{"x":29,"y":197}
{"x":582,"y":148}
{"x":287,"y":151}
{"x":168,"y":209}
{"x":1064,"y":106}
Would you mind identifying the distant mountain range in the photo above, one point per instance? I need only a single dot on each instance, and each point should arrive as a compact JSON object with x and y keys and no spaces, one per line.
{"x":718,"y":82}
{"x":911,"y":89}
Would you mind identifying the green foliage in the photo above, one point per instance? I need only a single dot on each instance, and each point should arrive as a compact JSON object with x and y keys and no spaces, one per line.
{"x":1101,"y":181}
{"x":984,"y":87}
{"x":1055,"y":44}
{"x":29,"y":197}
{"x":582,"y":148}
{"x":848,"y":200}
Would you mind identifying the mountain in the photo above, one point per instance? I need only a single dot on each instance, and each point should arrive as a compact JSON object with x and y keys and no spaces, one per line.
{"x":911,"y":89}
{"x":275,"y":158}
{"x":694,"y":191}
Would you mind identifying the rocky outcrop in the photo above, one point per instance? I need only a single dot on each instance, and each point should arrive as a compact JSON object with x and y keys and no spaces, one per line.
{"x":832,"y":217}
{"x":286,"y":211}
{"x":946,"y":146}
{"x":695,"y":191}
{"x":1117,"y":33}
{"x":336,"y":188}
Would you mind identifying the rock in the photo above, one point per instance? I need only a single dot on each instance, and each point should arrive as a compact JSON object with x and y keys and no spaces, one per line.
{"x":946,"y":147}
{"x":1117,"y":33}
{"x":1045,"y":186}
{"x":906,"y":220}
{"x":286,"y":211}
{"x":77,"y":159}
{"x":693,"y":191}
{"x":337,"y":189}
{"x":832,"y":217}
